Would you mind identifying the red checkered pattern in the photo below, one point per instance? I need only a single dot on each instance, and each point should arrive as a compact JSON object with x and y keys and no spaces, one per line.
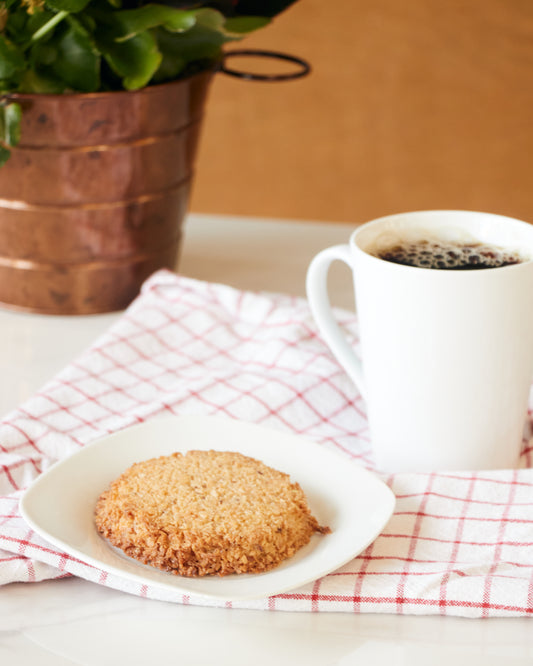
{"x":458,"y":544}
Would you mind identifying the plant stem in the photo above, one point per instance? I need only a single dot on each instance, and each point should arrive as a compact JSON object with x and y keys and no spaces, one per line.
{"x":49,"y":25}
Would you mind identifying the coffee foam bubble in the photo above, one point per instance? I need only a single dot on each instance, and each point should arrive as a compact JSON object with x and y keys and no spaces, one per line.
{"x":450,"y":249}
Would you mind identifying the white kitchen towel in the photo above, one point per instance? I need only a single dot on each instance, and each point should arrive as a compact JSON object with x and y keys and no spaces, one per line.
{"x":457,"y":544}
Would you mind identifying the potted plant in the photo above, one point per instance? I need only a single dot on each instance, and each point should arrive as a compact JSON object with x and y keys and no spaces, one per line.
{"x":101,"y":104}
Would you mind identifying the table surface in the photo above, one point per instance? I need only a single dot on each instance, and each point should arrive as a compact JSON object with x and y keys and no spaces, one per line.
{"x":72,"y":621}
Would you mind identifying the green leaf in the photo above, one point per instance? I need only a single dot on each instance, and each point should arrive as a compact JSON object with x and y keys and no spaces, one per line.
{"x":135,"y":61}
{"x":241,"y":25}
{"x":77,"y":62}
{"x":2,"y":123}
{"x":5,"y":154}
{"x":11,"y":59}
{"x":11,"y":123}
{"x":131,"y":22}
{"x":172,"y":63}
{"x":87,"y":22}
{"x":198,"y":43}
{"x":201,"y":43}
{"x":71,"y":6}
{"x":43,"y":54}
{"x":37,"y":82}
{"x":10,"y":115}
{"x":210,"y":18}
{"x":15,"y":26}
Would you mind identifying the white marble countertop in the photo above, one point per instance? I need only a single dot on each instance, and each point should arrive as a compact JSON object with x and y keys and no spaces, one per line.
{"x":72,"y":621}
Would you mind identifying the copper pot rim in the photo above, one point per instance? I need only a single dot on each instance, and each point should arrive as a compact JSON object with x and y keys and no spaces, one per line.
{"x":209,"y":70}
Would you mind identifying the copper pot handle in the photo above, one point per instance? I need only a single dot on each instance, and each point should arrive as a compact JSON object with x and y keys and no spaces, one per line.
{"x":303,"y":67}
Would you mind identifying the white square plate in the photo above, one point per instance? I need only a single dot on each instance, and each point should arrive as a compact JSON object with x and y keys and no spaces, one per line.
{"x":353,"y":502}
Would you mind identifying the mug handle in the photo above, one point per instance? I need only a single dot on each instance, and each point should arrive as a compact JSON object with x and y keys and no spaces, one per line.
{"x":317,"y":295}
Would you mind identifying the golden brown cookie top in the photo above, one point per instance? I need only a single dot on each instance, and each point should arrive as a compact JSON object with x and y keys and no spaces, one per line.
{"x":206,"y":512}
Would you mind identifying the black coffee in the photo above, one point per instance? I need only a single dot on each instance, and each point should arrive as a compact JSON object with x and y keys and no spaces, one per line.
{"x":448,"y":255}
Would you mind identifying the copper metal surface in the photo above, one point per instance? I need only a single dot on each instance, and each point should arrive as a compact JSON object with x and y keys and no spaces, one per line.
{"x":93,"y":198}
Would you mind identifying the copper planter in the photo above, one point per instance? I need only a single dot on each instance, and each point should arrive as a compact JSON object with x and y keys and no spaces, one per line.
{"x":93,"y":198}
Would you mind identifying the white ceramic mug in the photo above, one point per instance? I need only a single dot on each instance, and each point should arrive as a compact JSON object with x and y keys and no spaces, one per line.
{"x":446,"y":355}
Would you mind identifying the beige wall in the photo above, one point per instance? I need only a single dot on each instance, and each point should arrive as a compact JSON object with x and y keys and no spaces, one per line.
{"x":410,"y":105}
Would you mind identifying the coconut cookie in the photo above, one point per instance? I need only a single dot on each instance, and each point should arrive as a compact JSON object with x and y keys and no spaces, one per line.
{"x":206,"y":512}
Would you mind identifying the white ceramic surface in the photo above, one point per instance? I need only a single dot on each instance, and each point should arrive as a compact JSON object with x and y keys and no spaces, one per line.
{"x":354,"y":503}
